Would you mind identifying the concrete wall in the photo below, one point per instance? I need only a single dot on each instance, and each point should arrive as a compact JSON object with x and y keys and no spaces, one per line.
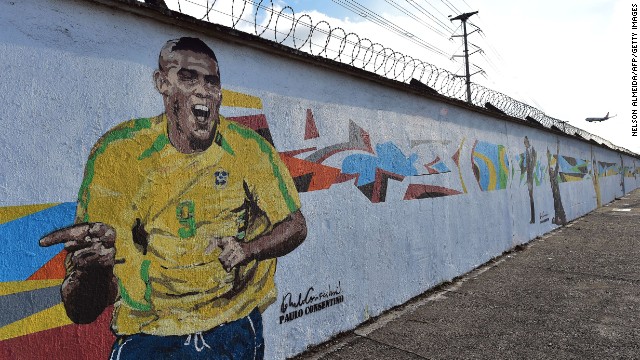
{"x":440,"y":188}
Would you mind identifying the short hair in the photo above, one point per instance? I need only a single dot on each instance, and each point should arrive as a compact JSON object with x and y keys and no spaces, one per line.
{"x":187,"y":44}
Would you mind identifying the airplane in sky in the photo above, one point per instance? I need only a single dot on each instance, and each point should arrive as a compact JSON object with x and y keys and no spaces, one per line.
{"x":606,"y":117}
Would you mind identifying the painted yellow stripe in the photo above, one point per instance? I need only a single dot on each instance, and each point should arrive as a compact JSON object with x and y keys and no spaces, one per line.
{"x":464,"y":188}
{"x":50,"y":318}
{"x":10,"y":213}
{"x":491,"y":168}
{"x":236,"y":99}
{"x":570,"y":178}
{"x":501,"y":158}
{"x":13,"y":287}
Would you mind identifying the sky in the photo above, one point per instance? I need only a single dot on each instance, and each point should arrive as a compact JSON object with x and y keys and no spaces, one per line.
{"x":569,"y":58}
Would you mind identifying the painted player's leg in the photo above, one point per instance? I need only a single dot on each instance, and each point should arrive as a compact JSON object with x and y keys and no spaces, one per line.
{"x":143,"y":346}
{"x":238,"y":340}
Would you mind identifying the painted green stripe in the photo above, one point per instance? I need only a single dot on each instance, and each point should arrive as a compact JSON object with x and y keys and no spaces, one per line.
{"x":161,"y":141}
{"x":224,"y":144}
{"x":226,"y":147}
{"x":503,"y":164}
{"x":124,"y":133}
{"x":264,"y":146}
{"x":144,"y":274}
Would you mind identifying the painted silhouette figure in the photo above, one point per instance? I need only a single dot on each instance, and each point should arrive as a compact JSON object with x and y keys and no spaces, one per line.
{"x":530,"y":159}
{"x":560,"y":218}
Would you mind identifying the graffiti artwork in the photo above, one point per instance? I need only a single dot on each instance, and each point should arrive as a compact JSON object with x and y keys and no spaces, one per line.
{"x":608,"y":169}
{"x":595,"y":179}
{"x":198,"y":208}
{"x":554,"y":175}
{"x":370,"y":172}
{"x":373,"y":171}
{"x":570,"y":169}
{"x":490,"y":166}
{"x":529,"y":160}
{"x":180,"y":232}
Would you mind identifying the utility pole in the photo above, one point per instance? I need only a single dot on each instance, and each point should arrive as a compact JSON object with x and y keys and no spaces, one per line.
{"x":464,"y":17}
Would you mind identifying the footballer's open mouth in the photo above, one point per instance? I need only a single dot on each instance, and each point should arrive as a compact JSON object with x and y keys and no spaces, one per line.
{"x":201,"y":112}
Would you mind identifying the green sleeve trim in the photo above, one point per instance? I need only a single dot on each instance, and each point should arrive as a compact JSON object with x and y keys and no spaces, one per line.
{"x":161,"y":141}
{"x":144,"y":274}
{"x":267,"y":149}
{"x":126,"y":132}
{"x":224,"y":144}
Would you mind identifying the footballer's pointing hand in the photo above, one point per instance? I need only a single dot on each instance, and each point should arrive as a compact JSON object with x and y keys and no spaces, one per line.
{"x":91,"y":244}
{"x":233,"y":253}
{"x":89,"y":287}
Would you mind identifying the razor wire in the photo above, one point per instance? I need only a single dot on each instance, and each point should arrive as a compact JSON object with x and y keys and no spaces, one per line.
{"x":281,"y":25}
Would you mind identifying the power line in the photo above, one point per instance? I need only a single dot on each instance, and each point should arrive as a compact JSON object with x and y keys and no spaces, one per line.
{"x":466,"y":3}
{"x":355,"y":7}
{"x":435,"y":8}
{"x":414,"y":17}
{"x":449,"y":6}
{"x":489,"y":44}
{"x":292,"y":18}
{"x":490,"y":48}
{"x":429,"y":14}
{"x":360,"y":9}
{"x":384,"y":52}
{"x":498,"y":67}
{"x":454,"y":8}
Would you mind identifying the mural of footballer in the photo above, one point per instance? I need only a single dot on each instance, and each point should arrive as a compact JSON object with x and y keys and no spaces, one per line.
{"x":179,"y":223}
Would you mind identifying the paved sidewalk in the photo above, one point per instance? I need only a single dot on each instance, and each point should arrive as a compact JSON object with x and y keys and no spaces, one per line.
{"x":572,"y":294}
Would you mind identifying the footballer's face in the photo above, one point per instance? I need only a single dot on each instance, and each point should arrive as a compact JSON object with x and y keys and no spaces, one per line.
{"x":190,"y":85}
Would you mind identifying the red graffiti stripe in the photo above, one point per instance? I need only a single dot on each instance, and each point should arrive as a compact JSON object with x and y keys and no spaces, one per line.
{"x":420,"y":191}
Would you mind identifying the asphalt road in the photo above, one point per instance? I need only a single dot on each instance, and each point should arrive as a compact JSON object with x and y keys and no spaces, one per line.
{"x":572,"y":294}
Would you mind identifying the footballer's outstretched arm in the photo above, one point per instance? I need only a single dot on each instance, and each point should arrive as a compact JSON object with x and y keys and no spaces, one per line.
{"x":89,"y":286}
{"x":285,"y":236}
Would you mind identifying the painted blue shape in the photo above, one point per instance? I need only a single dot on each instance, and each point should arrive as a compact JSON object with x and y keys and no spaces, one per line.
{"x":540,"y":173}
{"x":565,"y":167}
{"x":440,"y":167}
{"x":483,"y":172}
{"x":490,"y":151}
{"x":364,"y":165}
{"x":601,"y":169}
{"x":582,"y":163}
{"x":605,"y":167}
{"x":21,"y":255}
{"x":389,"y":158}
{"x":488,"y":163}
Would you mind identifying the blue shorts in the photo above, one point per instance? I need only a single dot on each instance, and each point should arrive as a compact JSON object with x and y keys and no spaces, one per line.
{"x":240,"y":339}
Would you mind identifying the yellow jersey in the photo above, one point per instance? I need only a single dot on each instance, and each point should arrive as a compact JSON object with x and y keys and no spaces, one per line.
{"x":170,"y":283}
